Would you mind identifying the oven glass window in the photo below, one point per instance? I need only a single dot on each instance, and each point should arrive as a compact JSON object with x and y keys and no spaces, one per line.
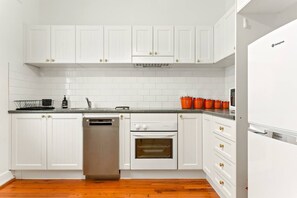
{"x":153,"y":148}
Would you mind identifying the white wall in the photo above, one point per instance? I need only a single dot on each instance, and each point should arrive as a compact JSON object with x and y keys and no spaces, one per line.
{"x":12,"y":15}
{"x":132,"y":12}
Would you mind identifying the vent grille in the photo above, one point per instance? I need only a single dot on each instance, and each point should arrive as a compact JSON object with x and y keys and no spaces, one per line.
{"x":151,"y":65}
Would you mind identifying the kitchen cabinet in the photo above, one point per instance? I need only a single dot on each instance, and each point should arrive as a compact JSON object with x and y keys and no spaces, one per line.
{"x":64,"y":141}
{"x":125,"y":142}
{"x":38,"y":42}
{"x":189,"y":141}
{"x":50,"y":44}
{"x":153,"y":41}
{"x":224,"y":36}
{"x":184,"y":44}
{"x":241,"y":4}
{"x":208,"y":144}
{"x":89,"y":44}
{"x":28,"y":135}
{"x":117,"y":44}
{"x":46,"y":141}
{"x":204,"y":44}
{"x":142,"y":41}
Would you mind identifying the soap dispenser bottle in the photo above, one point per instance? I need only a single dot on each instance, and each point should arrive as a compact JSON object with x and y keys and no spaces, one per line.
{"x":64,"y":103}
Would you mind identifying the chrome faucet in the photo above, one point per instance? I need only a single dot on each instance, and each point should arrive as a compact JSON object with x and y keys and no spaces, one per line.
{"x":89,"y":103}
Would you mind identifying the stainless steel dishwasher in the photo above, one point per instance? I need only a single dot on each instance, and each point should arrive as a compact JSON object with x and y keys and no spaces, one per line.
{"x":101,"y":148}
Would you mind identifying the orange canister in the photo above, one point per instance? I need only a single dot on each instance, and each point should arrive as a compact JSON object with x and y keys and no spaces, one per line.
{"x":225,"y":105}
{"x":198,"y":103}
{"x":218,"y":104}
{"x":208,"y":104}
{"x":186,"y":102}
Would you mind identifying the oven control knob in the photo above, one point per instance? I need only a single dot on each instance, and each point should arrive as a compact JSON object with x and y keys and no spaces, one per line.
{"x":144,"y":127}
{"x":137,"y":126}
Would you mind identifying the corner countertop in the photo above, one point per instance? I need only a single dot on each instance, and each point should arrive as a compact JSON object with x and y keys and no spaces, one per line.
{"x":220,"y":113}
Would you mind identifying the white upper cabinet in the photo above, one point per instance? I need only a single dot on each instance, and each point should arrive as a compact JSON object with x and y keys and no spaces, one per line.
{"x":229,"y":21}
{"x":89,"y":44}
{"x":189,"y":141}
{"x":184,"y":44}
{"x":28,"y":142}
{"x":63,"y":44}
{"x":142,"y":40}
{"x":219,"y":40}
{"x":163,"y":41}
{"x":204,"y":44}
{"x":117,"y":44}
{"x":224,"y":36}
{"x":38,"y":44}
{"x":64,"y":141}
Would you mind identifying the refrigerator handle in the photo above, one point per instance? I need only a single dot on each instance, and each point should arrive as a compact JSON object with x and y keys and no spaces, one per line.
{"x":259,"y":132}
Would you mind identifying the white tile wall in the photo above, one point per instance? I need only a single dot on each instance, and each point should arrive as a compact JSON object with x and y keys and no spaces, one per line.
{"x":229,"y":80}
{"x":110,"y":87}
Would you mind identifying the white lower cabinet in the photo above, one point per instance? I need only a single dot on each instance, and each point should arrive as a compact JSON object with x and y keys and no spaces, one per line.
{"x":28,"y":142}
{"x":208,"y":142}
{"x":64,"y":142}
{"x":219,"y":153}
{"x":189,"y":141}
{"x":46,"y":142}
{"x":125,"y":142}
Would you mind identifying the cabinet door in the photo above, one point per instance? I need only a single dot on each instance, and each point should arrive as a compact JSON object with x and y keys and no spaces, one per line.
{"x":229,"y":35}
{"x":208,"y":152}
{"x":117,"y":44}
{"x":241,"y":4}
{"x":163,"y":40}
{"x":64,"y":140}
{"x":89,"y":44}
{"x":142,"y":40}
{"x":38,"y":44}
{"x":125,"y":142}
{"x":28,"y":142}
{"x":204,"y":44}
{"x":184,"y":44}
{"x":189,"y":141}
{"x":63,"y":44}
{"x":219,"y":40}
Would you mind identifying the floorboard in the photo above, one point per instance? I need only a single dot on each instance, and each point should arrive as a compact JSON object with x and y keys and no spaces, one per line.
{"x":109,"y":189}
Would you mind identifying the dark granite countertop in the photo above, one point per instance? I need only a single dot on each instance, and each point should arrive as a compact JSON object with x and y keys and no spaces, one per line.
{"x":220,"y":113}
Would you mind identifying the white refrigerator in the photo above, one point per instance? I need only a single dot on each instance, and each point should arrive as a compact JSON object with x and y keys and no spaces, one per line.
{"x":272,"y":114}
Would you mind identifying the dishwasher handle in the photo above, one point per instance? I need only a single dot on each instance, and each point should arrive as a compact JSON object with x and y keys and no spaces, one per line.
{"x":100,"y":122}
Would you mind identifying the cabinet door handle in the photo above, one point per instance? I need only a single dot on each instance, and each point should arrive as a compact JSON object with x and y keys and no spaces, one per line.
{"x":49,"y":116}
{"x":101,"y":60}
{"x":177,"y":60}
{"x":121,"y":116}
{"x":222,"y":129}
{"x":47,"y":60}
{"x":198,"y":61}
{"x":151,"y":53}
{"x":43,"y":116}
{"x":222,"y":182}
{"x":106,"y":60}
{"x":181,"y":116}
{"x":156,"y":53}
{"x":221,"y":165}
{"x":221,"y":146}
{"x":53,"y":60}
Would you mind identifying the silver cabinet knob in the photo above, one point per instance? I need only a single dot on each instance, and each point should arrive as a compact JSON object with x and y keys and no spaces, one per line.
{"x":198,"y":61}
{"x":176,"y":60}
{"x":151,"y":53}
{"x":43,"y":116}
{"x":47,"y":60}
{"x":106,"y":60}
{"x":181,"y":116}
{"x":156,"y":53}
{"x":121,"y":116}
{"x":101,"y":60}
{"x":53,"y":60}
{"x":49,"y":116}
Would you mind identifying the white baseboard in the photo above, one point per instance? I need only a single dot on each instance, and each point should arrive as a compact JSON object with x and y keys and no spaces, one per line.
{"x":169,"y":174}
{"x":5,"y":177}
{"x":49,"y":174}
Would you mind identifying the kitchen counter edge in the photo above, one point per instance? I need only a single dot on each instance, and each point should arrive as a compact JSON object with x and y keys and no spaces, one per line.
{"x":220,"y":113}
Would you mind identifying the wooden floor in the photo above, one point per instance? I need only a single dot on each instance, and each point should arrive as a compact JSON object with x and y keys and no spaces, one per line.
{"x":108,"y":189}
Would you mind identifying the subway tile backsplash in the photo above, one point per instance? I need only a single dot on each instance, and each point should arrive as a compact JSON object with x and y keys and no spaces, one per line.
{"x":110,"y":87}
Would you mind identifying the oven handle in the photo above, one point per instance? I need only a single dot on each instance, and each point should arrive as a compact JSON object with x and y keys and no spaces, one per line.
{"x":149,"y":135}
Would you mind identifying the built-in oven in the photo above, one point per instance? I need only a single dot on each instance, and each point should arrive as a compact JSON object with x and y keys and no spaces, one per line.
{"x":153,"y":141}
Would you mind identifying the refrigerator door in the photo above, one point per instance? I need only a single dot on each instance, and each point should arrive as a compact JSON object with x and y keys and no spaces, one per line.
{"x":272,"y":79}
{"x":272,"y":165}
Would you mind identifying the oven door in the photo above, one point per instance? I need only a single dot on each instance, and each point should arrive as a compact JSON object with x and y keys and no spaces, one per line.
{"x":153,"y":150}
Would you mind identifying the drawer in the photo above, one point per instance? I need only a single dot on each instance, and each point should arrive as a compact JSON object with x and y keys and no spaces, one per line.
{"x":225,"y":128}
{"x":224,"y":185}
{"x":225,"y":168}
{"x":225,"y":147}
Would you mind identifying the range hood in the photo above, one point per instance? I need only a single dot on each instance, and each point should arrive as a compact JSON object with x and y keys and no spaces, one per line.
{"x":152,"y":61}
{"x":151,"y":65}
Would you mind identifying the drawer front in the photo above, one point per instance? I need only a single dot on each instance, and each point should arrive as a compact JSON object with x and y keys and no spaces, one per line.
{"x":225,"y":128}
{"x":225,"y":168}
{"x":225,"y":147}
{"x":225,"y":187}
